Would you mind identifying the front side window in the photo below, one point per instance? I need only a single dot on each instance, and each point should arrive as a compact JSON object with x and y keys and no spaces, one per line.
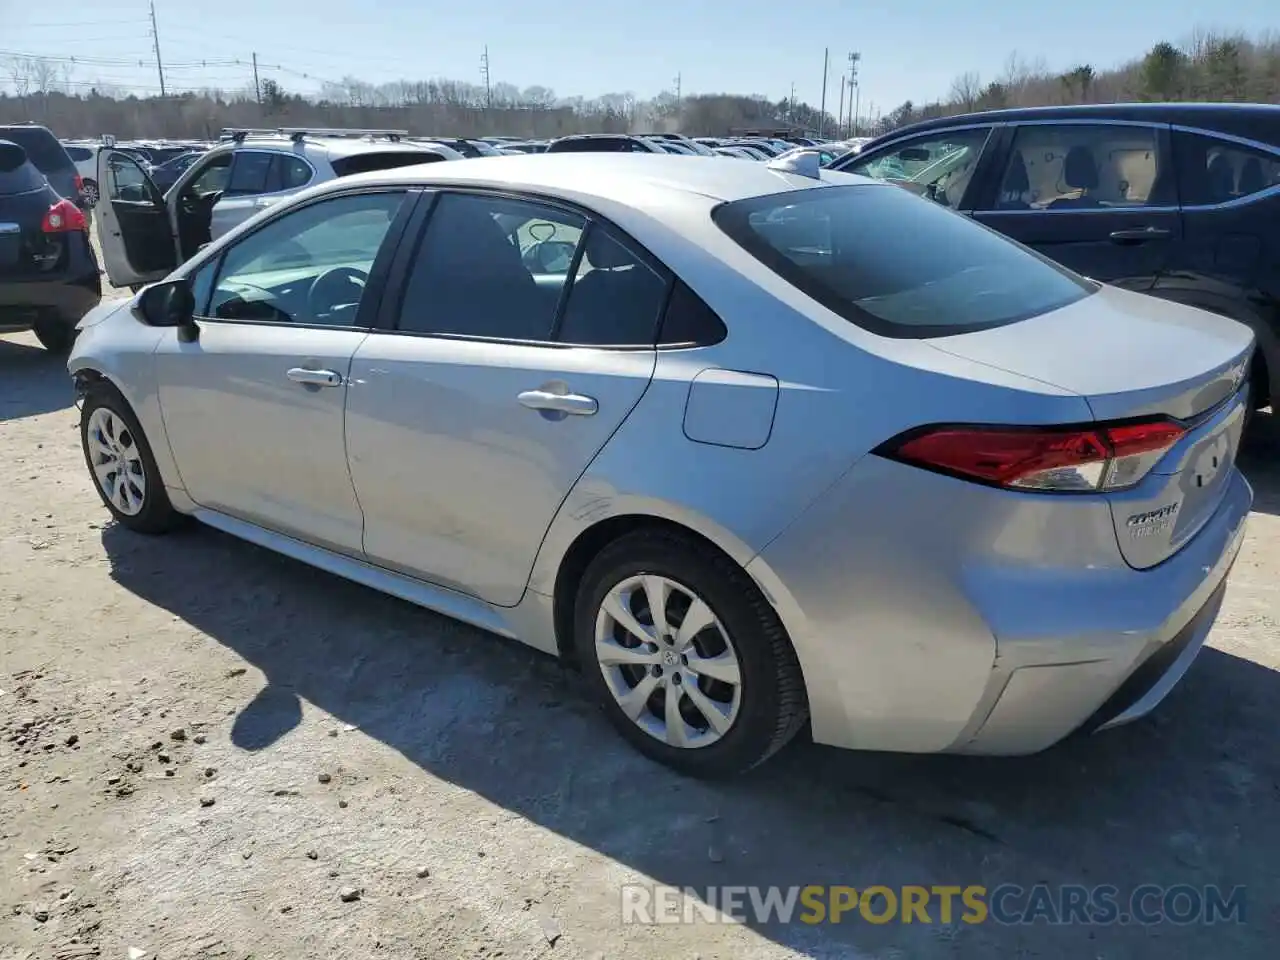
{"x":1212,"y":170}
{"x":490,"y":267}
{"x":894,"y":265}
{"x":938,"y":166}
{"x":1083,"y":167}
{"x":308,"y":266}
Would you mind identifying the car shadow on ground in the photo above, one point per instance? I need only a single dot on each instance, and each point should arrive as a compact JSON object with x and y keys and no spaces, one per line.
{"x":1260,"y":461}
{"x":1191,"y":795}
{"x":32,"y":380}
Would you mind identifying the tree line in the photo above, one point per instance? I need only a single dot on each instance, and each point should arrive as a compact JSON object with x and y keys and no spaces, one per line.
{"x":1209,"y":66}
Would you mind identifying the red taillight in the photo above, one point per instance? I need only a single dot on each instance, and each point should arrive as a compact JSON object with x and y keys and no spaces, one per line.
{"x":63,"y":217}
{"x":1031,"y":458}
{"x":79,"y":181}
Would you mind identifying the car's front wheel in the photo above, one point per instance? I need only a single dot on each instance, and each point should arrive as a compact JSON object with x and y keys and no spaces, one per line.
{"x":121,"y":463}
{"x":687,"y":657}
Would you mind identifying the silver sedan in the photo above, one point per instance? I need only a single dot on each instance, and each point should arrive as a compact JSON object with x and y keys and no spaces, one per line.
{"x":749,"y":443}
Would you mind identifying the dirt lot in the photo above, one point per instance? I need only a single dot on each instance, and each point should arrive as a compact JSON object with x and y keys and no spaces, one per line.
{"x":203,"y":745}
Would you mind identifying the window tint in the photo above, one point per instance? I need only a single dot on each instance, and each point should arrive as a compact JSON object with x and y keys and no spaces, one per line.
{"x":308,"y":266}
{"x":202,"y":286}
{"x":79,"y":154}
{"x":292,"y":172}
{"x":615,"y":299}
{"x":43,"y":148}
{"x":937,"y":166}
{"x":689,"y":321}
{"x":249,"y":172}
{"x":382,"y":160}
{"x":1082,"y":167}
{"x":481,"y":268}
{"x":899,"y":267}
{"x":1215,"y":171}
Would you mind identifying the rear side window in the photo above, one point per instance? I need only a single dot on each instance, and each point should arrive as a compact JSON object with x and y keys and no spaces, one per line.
{"x":43,"y":148}
{"x":895,"y":264}
{"x":79,"y":154}
{"x":1212,"y":171}
{"x":16,"y":174}
{"x":382,"y":160}
{"x":249,"y":171}
{"x":689,"y":322}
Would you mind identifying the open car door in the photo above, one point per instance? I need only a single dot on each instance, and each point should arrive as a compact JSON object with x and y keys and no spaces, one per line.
{"x":134,"y":229}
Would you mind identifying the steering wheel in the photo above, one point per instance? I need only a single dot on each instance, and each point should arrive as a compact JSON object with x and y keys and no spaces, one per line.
{"x":336,"y":287}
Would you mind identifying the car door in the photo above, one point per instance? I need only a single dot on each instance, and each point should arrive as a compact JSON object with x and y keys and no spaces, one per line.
{"x":1098,"y":197}
{"x":942,"y":165}
{"x":253,"y":406}
{"x":134,"y":230}
{"x":503,"y":371}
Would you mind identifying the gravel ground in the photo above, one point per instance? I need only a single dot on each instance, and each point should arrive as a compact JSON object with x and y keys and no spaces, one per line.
{"x":207,"y":750}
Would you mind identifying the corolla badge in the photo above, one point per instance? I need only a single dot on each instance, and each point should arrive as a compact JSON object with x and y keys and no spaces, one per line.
{"x":1151,"y":522}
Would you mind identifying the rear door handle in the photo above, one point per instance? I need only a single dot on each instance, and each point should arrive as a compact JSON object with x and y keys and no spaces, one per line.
{"x":315,"y":378}
{"x":571,"y":403}
{"x":1138,"y":234}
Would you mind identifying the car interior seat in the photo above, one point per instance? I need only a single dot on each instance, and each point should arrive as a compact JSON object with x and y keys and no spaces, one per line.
{"x":1016,"y":185}
{"x":1080,"y":172}
{"x":1222,"y":179}
{"x":618,"y":295}
{"x":1252,"y":179}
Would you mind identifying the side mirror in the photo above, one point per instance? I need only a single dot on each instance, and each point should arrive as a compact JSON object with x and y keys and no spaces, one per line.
{"x":170,"y":304}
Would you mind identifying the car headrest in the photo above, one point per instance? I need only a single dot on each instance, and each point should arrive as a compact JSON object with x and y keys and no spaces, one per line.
{"x":1079,"y":169}
{"x":1222,"y":179}
{"x":604,"y":253}
{"x":1015,"y":178}
{"x":1252,"y":178}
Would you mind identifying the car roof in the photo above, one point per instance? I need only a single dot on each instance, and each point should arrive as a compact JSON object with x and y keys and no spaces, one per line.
{"x":614,"y":177}
{"x":1240,"y":119}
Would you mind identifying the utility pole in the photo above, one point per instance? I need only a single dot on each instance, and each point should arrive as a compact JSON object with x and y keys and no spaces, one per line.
{"x":677,"y":92}
{"x":791,"y":114}
{"x":840,"y":111}
{"x":822,"y":110}
{"x":854,"y":59}
{"x":484,"y":72}
{"x":257,"y":87}
{"x":155,"y":35}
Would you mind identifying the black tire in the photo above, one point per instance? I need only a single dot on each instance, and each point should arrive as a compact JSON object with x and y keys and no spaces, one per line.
{"x":773,"y":706}
{"x":157,"y":514}
{"x":89,"y":193}
{"x":55,"y":334}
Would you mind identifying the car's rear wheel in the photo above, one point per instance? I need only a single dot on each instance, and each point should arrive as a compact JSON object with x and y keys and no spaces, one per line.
{"x":122,"y":465}
{"x":55,"y":334}
{"x":89,"y":193}
{"x":688,"y":659}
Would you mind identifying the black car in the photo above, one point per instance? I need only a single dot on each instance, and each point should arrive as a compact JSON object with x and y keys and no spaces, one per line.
{"x":1180,"y":201}
{"x":602,"y":143}
{"x":48,"y":272}
{"x":167,"y":174}
{"x":49,"y":157}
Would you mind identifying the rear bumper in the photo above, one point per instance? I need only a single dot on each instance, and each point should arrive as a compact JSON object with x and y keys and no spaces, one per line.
{"x":952,"y":619}
{"x":67,"y":294}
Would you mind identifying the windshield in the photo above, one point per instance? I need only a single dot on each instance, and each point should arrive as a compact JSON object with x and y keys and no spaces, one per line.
{"x":896,"y":264}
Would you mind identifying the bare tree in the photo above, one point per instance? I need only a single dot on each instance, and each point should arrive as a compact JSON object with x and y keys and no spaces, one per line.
{"x":966,"y":90}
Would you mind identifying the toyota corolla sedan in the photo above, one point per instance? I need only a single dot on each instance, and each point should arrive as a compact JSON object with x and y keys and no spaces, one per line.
{"x":749,"y":444}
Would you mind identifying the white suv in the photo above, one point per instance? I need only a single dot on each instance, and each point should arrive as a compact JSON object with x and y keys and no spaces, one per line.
{"x":145,"y":234}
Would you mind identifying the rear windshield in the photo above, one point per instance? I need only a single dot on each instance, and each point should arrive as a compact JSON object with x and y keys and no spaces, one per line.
{"x":16,"y":174}
{"x":43,"y":148}
{"x":897,"y":264}
{"x":384,"y":160}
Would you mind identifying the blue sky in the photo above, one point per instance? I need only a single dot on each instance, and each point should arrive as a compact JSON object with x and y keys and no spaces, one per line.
{"x":909,"y":49}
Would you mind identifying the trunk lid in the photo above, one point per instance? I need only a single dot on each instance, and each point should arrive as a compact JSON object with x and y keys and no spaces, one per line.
{"x":1134,"y":356}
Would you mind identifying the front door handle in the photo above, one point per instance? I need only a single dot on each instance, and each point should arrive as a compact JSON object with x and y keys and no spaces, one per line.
{"x":315,"y":378}
{"x":1138,"y":234}
{"x":571,"y":403}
